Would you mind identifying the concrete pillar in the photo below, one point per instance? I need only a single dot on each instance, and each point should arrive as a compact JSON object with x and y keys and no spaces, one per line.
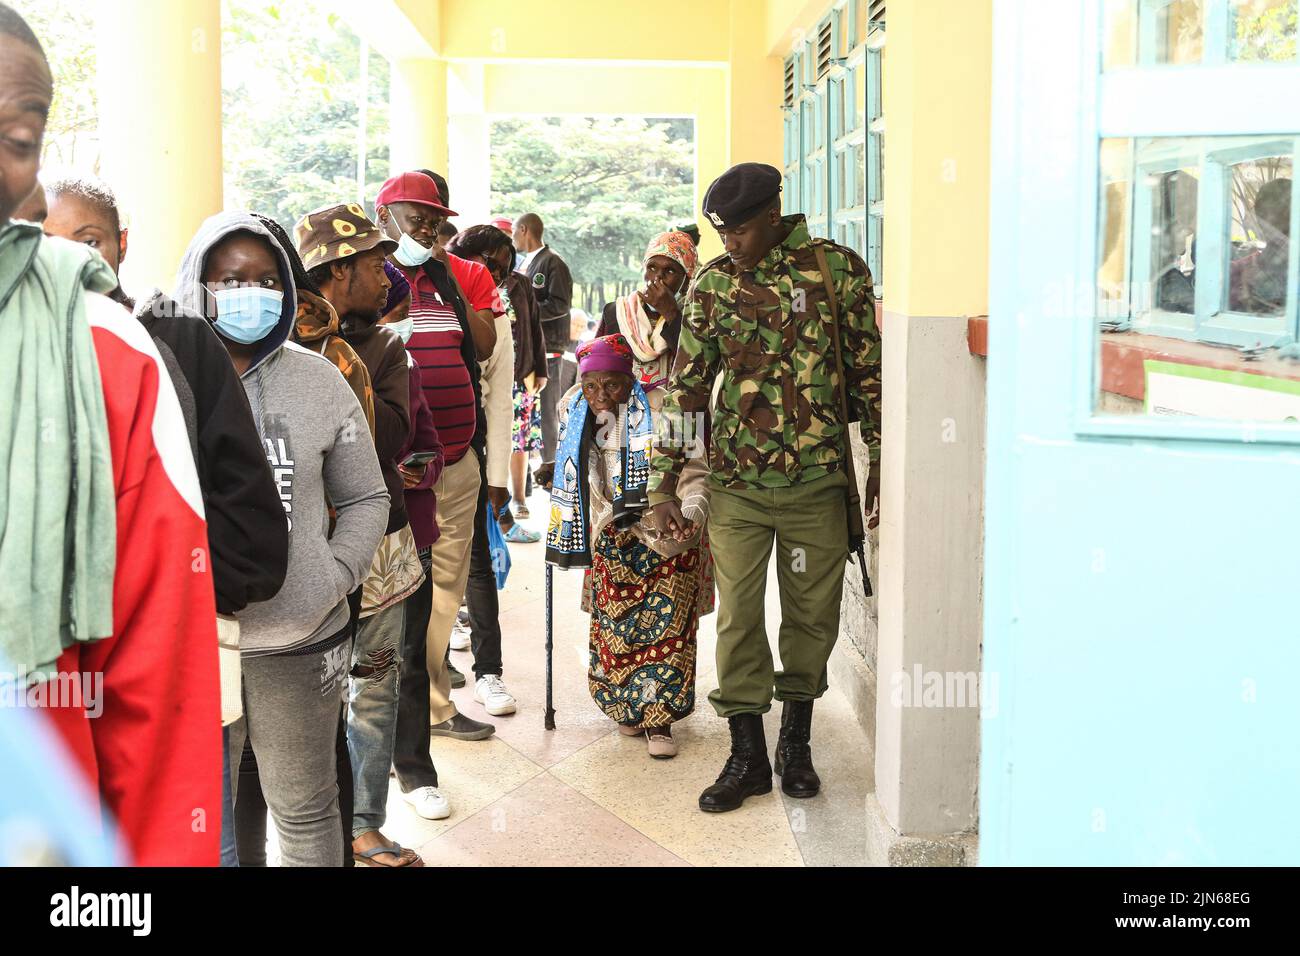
{"x":159,"y":78}
{"x":418,"y":111}
{"x":469,"y":166}
{"x":937,"y":91}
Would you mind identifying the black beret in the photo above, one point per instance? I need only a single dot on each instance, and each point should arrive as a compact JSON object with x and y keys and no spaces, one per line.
{"x":741,"y":193}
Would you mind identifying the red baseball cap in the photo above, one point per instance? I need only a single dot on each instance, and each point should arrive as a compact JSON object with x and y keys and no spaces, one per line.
{"x":504,"y":224}
{"x":412,"y":187}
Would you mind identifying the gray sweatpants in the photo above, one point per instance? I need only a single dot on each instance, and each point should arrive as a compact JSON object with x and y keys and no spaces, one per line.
{"x":291,"y":715}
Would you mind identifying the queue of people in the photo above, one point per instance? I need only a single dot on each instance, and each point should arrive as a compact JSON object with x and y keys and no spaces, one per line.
{"x":273,"y":486}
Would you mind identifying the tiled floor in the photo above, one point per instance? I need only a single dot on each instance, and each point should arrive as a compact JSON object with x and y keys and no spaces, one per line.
{"x":583,"y":795}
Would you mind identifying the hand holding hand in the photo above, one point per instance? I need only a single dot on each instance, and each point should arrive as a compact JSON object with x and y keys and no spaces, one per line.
{"x":669,"y":521}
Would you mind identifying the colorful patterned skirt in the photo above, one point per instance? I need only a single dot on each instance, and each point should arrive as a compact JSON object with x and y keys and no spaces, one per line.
{"x":526,"y":432}
{"x":643,"y":623}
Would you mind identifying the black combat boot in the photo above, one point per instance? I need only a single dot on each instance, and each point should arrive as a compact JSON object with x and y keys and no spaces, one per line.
{"x":793,"y":753}
{"x":747,"y":772}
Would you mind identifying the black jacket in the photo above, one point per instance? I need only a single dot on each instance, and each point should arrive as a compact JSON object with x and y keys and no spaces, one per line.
{"x":450,"y":293}
{"x":247,"y":530}
{"x":530,"y":350}
{"x":549,"y":278}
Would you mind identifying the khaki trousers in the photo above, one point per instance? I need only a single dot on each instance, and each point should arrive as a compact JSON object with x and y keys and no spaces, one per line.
{"x":457,"y":494}
{"x":807,"y":522}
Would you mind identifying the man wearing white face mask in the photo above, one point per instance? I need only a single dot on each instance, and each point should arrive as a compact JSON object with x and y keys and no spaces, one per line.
{"x":295,"y":647}
{"x":344,"y":252}
{"x":445,"y":343}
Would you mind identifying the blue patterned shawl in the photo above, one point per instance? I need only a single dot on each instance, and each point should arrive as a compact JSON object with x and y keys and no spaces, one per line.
{"x":568,"y":543}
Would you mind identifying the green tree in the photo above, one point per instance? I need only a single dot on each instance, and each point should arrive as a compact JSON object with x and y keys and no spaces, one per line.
{"x":291,"y":109}
{"x":1264,"y":30}
{"x":66,"y":30}
{"x":604,"y":187}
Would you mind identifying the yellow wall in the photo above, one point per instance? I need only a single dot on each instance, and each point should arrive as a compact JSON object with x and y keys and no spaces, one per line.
{"x":937,"y":88}
{"x":509,"y":58}
{"x":587,"y":29}
{"x":425,"y":16}
{"x":581,"y":90}
{"x":787,"y":22}
{"x":755,"y":90}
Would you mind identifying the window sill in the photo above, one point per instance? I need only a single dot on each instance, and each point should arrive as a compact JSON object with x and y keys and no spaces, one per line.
{"x":1123,"y":355}
{"x":977,"y":335}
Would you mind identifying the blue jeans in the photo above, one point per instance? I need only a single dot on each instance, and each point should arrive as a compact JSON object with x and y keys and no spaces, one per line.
{"x":373,"y":685}
{"x":228,"y":855}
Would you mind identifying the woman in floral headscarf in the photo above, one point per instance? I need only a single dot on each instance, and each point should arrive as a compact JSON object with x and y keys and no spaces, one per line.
{"x":643,"y":589}
{"x":651,"y":317}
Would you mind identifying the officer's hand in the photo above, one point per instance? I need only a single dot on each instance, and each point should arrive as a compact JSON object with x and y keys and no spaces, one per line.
{"x":871,"y":497}
{"x":669,"y":520}
{"x":545,"y":474}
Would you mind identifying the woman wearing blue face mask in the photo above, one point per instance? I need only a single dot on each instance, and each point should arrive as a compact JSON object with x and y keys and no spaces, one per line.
{"x":295,"y":647}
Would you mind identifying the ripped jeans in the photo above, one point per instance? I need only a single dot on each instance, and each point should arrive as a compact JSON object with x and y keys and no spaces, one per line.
{"x":372,"y":713}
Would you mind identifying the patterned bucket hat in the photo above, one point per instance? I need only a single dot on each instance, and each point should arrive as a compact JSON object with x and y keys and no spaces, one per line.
{"x":337,"y":232}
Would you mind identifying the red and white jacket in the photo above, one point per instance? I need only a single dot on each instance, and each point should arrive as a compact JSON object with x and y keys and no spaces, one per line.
{"x":154,"y":751}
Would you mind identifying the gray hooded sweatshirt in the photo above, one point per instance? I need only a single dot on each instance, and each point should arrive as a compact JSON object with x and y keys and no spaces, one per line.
{"x":319,"y":448}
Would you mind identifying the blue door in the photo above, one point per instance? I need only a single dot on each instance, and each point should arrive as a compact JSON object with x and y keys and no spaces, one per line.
{"x":1142,"y":614}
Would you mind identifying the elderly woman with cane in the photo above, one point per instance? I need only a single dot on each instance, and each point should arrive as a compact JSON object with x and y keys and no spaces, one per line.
{"x":644,"y":589}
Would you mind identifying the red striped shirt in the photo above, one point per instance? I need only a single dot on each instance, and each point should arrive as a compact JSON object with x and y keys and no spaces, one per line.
{"x":435,"y":343}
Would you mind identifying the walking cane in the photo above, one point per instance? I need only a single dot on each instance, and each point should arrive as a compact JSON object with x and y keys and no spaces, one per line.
{"x":550,"y":708}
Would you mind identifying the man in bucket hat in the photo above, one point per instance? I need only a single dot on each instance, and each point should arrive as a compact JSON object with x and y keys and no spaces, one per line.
{"x":344,"y":253}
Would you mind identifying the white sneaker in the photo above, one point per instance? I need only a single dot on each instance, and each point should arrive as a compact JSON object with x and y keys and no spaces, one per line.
{"x":429,"y":803}
{"x":459,"y":638}
{"x":492,"y":694}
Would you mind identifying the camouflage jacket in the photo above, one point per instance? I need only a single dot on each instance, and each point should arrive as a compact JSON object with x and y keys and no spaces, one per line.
{"x":776,"y":421}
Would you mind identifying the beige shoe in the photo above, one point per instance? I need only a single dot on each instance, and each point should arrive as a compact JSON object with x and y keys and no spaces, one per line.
{"x":661,"y":745}
{"x":627,"y":731}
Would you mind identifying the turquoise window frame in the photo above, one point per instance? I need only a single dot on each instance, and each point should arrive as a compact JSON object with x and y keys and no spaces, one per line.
{"x":1230,"y":28}
{"x":875,"y":149}
{"x":826,"y":150}
{"x":1210,"y":321}
{"x":793,"y":136}
{"x":817,"y":160}
{"x":847,"y":92}
{"x":1217,"y":32}
{"x":1217,"y":98}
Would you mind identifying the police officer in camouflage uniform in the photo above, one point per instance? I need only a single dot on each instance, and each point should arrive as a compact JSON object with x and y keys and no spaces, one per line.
{"x":760,"y":318}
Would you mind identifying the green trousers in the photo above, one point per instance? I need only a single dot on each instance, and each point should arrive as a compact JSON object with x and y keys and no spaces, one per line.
{"x":807,"y":523}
